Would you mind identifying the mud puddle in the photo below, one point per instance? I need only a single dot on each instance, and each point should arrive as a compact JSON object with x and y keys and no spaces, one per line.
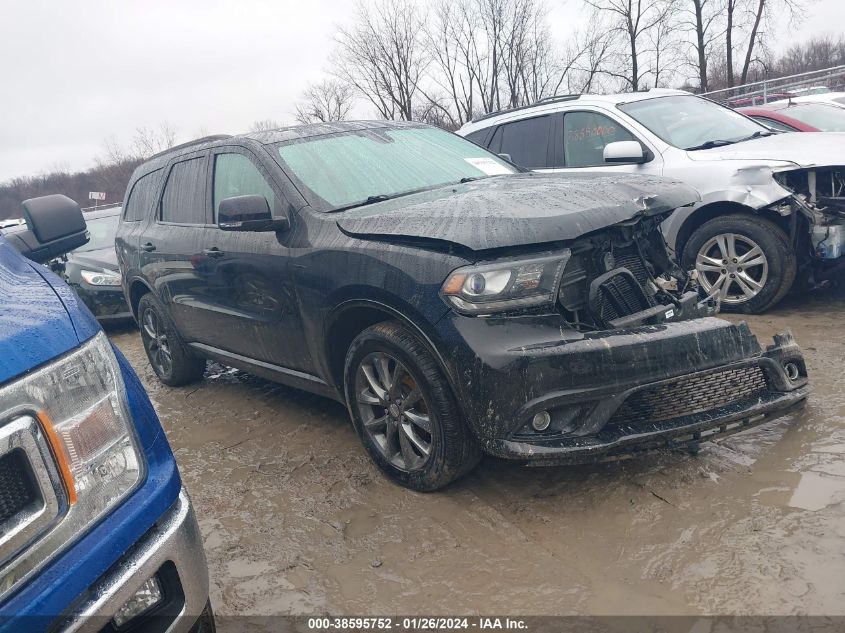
{"x":296,"y":520}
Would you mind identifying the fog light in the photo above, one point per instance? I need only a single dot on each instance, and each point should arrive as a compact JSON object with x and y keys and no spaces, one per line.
{"x":541,"y":421}
{"x":148,"y":596}
{"x":792,"y":371}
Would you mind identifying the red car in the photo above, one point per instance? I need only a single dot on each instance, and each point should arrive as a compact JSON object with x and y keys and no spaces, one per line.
{"x":799,"y":117}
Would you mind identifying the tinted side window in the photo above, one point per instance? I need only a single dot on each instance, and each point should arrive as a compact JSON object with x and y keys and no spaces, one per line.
{"x":478,"y":137}
{"x":236,"y":175}
{"x":141,"y":197}
{"x":584,"y":136}
{"x":526,"y":141}
{"x":183,"y":200}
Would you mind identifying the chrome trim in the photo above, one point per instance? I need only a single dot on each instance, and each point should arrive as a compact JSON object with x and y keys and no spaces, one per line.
{"x":24,"y":433}
{"x":175,"y":538}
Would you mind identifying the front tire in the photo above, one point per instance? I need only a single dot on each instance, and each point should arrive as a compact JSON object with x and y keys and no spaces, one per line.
{"x":747,"y":260}
{"x":171,"y":360}
{"x":404,"y":411}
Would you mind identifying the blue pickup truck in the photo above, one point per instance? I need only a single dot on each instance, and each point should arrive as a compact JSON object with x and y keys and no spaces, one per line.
{"x":96,"y":531}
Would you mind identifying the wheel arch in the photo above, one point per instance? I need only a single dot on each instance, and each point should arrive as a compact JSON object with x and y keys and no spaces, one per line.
{"x":352,"y":317}
{"x":137,"y":289}
{"x":712,"y":210}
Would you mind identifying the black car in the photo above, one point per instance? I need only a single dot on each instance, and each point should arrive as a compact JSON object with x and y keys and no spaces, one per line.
{"x":92,"y":269}
{"x":455,"y":304}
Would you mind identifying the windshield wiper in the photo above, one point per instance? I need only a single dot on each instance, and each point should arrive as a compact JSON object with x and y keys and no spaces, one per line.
{"x":710,"y":144}
{"x":723,"y":142}
{"x":370,"y":200}
{"x":757,"y":134}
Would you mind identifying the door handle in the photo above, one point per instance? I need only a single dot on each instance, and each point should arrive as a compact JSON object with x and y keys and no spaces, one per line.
{"x":213,"y":252}
{"x":148,"y":247}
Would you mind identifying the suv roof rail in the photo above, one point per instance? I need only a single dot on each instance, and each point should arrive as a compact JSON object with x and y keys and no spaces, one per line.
{"x":556,"y":98}
{"x":543,"y":101}
{"x":196,"y":141}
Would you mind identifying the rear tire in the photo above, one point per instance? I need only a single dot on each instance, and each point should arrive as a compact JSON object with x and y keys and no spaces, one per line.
{"x":404,"y":411}
{"x":754,"y":250}
{"x":169,"y":355}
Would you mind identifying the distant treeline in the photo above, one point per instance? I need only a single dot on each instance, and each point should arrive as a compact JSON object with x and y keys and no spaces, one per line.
{"x":474,"y":86}
{"x":108,"y":177}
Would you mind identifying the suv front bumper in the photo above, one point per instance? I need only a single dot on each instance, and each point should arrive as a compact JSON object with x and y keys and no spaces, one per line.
{"x":612,"y":393}
{"x":173,"y":544}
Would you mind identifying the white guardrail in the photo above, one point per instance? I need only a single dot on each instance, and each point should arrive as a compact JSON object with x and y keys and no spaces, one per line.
{"x":757,"y":93}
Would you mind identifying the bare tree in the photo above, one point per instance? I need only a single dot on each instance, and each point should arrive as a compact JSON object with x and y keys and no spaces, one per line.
{"x":381,"y":56}
{"x":703,"y":19}
{"x":149,"y":141}
{"x":632,"y":21}
{"x":329,"y":100}
{"x":265,"y":125}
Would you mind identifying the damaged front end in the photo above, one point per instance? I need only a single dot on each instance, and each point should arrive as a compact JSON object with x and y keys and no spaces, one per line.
{"x":628,"y":358}
{"x":624,"y":276}
{"x":818,"y":201}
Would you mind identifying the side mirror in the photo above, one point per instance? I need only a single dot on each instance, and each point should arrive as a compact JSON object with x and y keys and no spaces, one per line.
{"x":248,"y":213}
{"x":54,"y":226}
{"x":626,"y":152}
{"x":507,"y":157}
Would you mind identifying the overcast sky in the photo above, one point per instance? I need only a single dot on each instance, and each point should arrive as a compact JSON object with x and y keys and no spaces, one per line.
{"x":75,"y":72}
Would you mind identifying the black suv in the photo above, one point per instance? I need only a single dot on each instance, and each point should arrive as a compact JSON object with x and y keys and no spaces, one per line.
{"x":455,"y":304}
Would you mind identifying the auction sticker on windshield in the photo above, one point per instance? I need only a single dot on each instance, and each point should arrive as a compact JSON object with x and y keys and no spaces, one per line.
{"x":489,"y":166}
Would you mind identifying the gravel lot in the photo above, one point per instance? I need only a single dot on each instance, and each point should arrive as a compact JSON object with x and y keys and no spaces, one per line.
{"x":296,"y":519}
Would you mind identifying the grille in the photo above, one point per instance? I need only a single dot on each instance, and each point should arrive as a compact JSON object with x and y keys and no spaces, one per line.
{"x":16,"y":488}
{"x":630,"y":259}
{"x":617,"y":294}
{"x":689,"y":396}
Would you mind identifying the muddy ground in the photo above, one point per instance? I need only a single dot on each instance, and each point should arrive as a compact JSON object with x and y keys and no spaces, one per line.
{"x":296,"y":519}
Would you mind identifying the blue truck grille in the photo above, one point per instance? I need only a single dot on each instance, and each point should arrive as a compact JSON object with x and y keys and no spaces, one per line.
{"x":16,"y":486}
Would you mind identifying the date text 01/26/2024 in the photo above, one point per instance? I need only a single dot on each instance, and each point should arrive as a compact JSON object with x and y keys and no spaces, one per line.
{"x":415,"y":624}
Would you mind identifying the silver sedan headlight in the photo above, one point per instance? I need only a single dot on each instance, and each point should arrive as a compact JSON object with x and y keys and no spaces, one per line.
{"x":100,"y":277}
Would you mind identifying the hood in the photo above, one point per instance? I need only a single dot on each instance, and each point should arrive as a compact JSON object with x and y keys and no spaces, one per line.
{"x":802,"y":149}
{"x":100,"y":258}
{"x":523,"y":209}
{"x":34,"y":324}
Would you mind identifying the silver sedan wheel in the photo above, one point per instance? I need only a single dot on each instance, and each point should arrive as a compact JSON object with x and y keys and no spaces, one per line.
{"x":733,"y":266}
{"x":394,"y":412}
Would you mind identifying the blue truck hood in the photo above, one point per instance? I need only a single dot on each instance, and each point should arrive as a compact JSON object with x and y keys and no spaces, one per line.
{"x":40,"y":316}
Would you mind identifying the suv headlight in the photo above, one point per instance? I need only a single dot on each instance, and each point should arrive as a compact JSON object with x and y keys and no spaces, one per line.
{"x":79,"y":402}
{"x":100,"y":277}
{"x":505,"y":286}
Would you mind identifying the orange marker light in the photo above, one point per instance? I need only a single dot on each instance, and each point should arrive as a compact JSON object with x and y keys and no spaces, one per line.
{"x":454,"y":284}
{"x":59,"y":453}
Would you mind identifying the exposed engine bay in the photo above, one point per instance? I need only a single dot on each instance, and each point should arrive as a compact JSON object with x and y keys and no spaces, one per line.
{"x":624,"y":276}
{"x":819,"y":194}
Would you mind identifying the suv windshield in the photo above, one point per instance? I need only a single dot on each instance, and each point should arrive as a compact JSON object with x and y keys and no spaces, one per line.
{"x":102,"y":232}
{"x":358,"y":167}
{"x":824,"y":117}
{"x":690,"y":122}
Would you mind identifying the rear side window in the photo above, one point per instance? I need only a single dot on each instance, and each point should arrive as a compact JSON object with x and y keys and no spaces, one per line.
{"x":236,"y":175}
{"x":183,"y":200}
{"x":141,"y":197}
{"x":585,"y":135}
{"x":775,"y":125}
{"x":527,"y":142}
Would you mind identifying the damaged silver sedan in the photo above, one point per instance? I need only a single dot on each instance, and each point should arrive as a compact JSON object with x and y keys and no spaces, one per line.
{"x":770,"y":218}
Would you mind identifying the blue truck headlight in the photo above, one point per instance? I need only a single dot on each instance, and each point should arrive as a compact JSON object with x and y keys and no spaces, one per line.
{"x":79,"y":402}
{"x":505,"y":286}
